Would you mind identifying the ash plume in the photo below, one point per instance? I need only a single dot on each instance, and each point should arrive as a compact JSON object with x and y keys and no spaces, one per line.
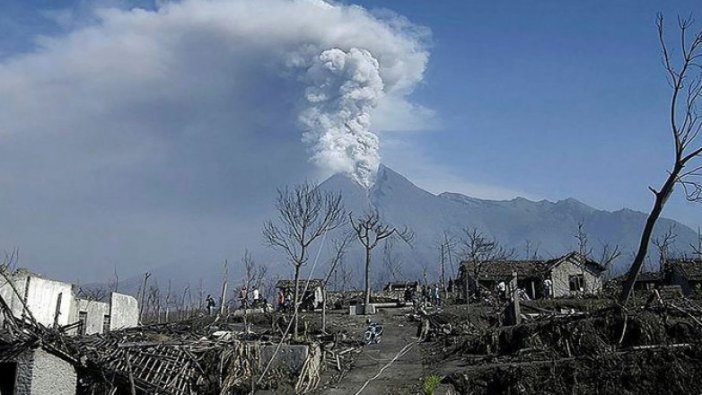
{"x":344,"y":89}
{"x":198,"y":108}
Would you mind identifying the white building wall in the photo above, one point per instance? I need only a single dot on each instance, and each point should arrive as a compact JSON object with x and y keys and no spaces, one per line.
{"x":10,"y":297}
{"x":560,"y":275}
{"x":42,"y":297}
{"x":96,"y":312}
{"x":124,"y":311}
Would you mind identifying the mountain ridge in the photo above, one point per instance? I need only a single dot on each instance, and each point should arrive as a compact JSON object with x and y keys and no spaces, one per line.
{"x":550,"y":225}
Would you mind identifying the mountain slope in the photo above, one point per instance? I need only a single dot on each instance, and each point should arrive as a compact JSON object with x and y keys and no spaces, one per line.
{"x":548,"y":225}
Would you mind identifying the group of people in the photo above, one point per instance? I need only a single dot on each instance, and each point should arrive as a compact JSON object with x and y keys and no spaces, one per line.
{"x":422,"y":294}
{"x":243,"y":297}
{"x":256,"y":299}
{"x":501,"y":289}
{"x":285,"y":297}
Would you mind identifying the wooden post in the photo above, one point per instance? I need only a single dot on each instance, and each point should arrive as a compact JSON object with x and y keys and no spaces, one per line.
{"x":533,"y":290}
{"x":515,"y":299}
{"x":223,"y":298}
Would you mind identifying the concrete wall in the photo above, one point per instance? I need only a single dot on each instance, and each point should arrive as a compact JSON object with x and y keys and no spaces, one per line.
{"x":42,"y":296}
{"x":124,"y":311}
{"x":560,"y":275}
{"x":96,"y":312}
{"x":10,"y":297}
{"x":42,"y":373}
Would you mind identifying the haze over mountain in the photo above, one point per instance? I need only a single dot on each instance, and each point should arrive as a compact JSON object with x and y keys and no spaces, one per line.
{"x":548,"y":226}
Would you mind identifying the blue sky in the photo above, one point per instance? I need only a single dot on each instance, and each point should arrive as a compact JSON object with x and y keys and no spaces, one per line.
{"x":552,"y":99}
{"x":547,"y":100}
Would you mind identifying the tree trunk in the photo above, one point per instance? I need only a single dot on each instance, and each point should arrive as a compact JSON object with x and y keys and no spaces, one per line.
{"x":296,"y":295}
{"x":368,"y":290}
{"x":324,"y":309}
{"x":661,"y":198}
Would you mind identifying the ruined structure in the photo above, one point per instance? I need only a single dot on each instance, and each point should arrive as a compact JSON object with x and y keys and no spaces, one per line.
{"x":687,"y":273}
{"x":570,"y":274}
{"x":54,"y":303}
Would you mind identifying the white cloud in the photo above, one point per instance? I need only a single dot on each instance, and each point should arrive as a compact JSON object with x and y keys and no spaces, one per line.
{"x":190,"y":111}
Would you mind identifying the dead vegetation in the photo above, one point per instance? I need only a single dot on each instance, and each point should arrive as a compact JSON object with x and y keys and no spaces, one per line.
{"x":654,"y":348}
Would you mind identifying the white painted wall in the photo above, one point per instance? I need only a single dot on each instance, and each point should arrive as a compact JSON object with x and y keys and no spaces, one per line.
{"x":560,"y":275}
{"x":96,"y":312}
{"x":42,"y":297}
{"x":124,"y":311}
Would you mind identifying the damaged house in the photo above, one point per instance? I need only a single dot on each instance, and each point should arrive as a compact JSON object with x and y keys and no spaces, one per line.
{"x":32,"y":307}
{"x":687,"y":273}
{"x":570,"y":274}
{"x":55,"y":304}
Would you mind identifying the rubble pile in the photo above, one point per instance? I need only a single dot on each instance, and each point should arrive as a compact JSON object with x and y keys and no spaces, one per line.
{"x":201,"y":356}
{"x":649,"y":349}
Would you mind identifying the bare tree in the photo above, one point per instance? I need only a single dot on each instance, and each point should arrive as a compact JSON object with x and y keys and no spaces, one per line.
{"x":392,"y":262}
{"x":142,"y":293}
{"x":531,"y":249}
{"x":609,"y":255}
{"x":305,"y":213}
{"x":370,"y":231}
{"x":113,"y":285}
{"x":583,"y":240}
{"x":97,"y":294}
{"x":664,"y":244}
{"x":9,"y":262}
{"x":685,"y":79}
{"x":479,"y":249}
{"x":446,"y":245}
{"x":340,"y":246}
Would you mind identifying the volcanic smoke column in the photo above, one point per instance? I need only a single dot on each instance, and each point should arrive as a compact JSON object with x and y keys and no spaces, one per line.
{"x":344,"y":88}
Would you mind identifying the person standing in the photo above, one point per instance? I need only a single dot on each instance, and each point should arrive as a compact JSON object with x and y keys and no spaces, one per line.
{"x":256,"y":296}
{"x":244,"y":297}
{"x":281,"y":300}
{"x":548,"y":288}
{"x":502,"y":290}
{"x":210,"y":304}
{"x":437,"y":296}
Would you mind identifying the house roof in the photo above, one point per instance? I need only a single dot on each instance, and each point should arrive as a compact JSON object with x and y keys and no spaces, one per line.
{"x":690,"y":268}
{"x":502,"y":270}
{"x":288,"y":284}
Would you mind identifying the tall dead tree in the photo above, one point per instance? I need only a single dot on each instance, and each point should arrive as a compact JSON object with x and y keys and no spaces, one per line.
{"x":340,"y":245}
{"x":445,"y":245}
{"x":305,"y":213}
{"x":142,"y":293}
{"x":370,"y":231}
{"x":684,"y":75}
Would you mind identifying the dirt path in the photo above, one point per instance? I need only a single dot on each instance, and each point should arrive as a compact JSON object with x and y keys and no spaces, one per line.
{"x":401,"y":377}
